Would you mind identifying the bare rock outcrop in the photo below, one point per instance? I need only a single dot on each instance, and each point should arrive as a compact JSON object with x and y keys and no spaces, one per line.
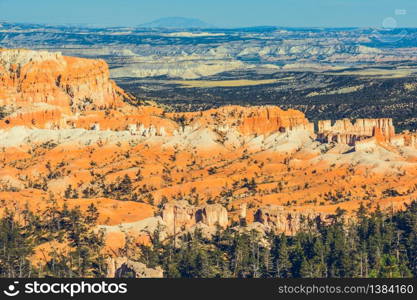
{"x":282,"y":220}
{"x":256,"y":120}
{"x":345,"y":132}
{"x":366,"y":145}
{"x":410,"y":139}
{"x":121,"y":266}
{"x":180,"y":215}
{"x":212,"y":215}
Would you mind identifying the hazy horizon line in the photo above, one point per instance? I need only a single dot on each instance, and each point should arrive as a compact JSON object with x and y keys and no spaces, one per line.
{"x":96,"y":25}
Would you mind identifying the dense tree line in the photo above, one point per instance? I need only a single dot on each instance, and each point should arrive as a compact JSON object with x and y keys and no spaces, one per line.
{"x":376,"y":244}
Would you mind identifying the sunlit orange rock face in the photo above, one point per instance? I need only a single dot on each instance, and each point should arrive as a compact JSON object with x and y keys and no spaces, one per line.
{"x":250,"y":120}
{"x":344,"y":131}
{"x":43,"y":85}
{"x":129,"y":160}
{"x":50,"y":78}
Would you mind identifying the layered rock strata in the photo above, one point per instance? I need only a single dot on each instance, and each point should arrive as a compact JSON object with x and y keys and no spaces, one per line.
{"x":40,"y":87}
{"x":180,"y":215}
{"x":346,"y":132}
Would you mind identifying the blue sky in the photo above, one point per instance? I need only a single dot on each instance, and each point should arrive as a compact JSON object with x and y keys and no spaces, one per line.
{"x":227,"y":13}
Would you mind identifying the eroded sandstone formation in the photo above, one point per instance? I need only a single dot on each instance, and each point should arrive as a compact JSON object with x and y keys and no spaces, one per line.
{"x":409,"y":139}
{"x":346,"y":132}
{"x":283,"y":220}
{"x":41,"y":89}
{"x":247,"y":157}
{"x":249,"y":120}
{"x":119,"y":267}
{"x":44,"y":77}
{"x":180,"y":215}
{"x":39,"y":86}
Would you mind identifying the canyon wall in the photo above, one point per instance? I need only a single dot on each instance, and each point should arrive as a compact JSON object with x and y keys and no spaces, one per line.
{"x":258,"y":120}
{"x":36,"y":85}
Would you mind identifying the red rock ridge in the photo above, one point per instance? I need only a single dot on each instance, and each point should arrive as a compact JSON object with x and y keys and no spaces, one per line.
{"x":47,"y":90}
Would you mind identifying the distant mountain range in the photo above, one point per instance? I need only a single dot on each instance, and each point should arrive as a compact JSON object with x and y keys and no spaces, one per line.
{"x":177,"y":22}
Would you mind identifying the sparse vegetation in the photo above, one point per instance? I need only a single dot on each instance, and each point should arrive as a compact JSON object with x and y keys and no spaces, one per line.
{"x":3,"y":112}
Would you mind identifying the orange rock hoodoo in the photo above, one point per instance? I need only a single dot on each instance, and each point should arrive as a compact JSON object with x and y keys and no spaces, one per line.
{"x":280,"y":219}
{"x":346,"y":132}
